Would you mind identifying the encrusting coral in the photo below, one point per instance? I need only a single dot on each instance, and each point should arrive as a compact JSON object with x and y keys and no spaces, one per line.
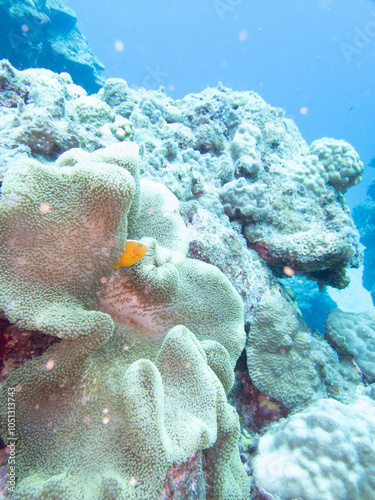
{"x":130,"y":387}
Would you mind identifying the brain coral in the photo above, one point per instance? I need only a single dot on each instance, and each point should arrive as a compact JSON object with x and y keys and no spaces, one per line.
{"x":105,"y":411}
{"x":284,"y":360}
{"x":327,"y":452}
{"x":353,"y":334}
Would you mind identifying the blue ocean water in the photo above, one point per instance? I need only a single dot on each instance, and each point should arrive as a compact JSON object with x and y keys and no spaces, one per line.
{"x":314,"y":59}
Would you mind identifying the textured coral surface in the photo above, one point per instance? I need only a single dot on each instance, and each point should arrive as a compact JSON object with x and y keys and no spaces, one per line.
{"x":122,"y":377}
{"x":310,"y":456}
{"x":232,"y":152}
{"x":127,"y":382}
{"x":353,"y":335}
{"x":52,"y":38}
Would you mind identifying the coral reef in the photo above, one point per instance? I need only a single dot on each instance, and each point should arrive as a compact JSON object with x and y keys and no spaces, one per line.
{"x":285,"y":361}
{"x":186,"y":482}
{"x":61,"y":230}
{"x":215,"y":147}
{"x":341,"y":162}
{"x":241,"y":199}
{"x":331,"y":162}
{"x":247,"y":170}
{"x":309,"y":455}
{"x":256,"y":409}
{"x":314,"y":304}
{"x":17,"y":345}
{"x":224,"y":247}
{"x":353,"y":335}
{"x":243,"y":150}
{"x":124,"y":375}
{"x":46,"y":34}
{"x":133,"y":386}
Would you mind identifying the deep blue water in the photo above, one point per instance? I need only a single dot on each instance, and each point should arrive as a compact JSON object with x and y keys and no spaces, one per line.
{"x":296,"y":54}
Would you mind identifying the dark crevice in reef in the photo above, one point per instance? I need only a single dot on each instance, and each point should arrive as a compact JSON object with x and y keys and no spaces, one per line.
{"x":18,"y":345}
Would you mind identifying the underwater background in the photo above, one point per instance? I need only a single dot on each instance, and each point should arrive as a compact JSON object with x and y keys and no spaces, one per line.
{"x":296,"y":55}
{"x":187,"y":250}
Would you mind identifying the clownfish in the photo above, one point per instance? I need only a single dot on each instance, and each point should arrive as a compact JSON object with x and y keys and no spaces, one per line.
{"x":134,"y":251}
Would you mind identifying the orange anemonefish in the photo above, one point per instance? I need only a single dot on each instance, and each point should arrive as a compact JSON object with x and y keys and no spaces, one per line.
{"x":134,"y":251}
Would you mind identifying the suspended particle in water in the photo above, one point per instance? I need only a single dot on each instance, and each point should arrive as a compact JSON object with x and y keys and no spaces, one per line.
{"x":119,"y":46}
